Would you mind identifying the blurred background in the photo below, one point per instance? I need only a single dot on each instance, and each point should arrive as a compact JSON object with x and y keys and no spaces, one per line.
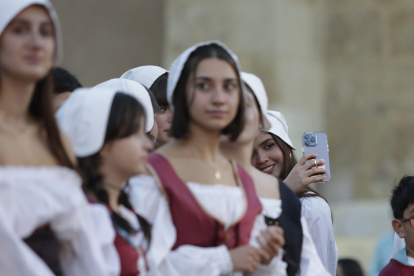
{"x":345,"y":67}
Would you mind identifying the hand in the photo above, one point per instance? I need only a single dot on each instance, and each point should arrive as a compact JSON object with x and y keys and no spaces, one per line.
{"x":274,"y":240}
{"x":302,"y":174}
{"x":246,"y":258}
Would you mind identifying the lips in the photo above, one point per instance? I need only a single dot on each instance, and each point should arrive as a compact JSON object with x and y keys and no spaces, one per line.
{"x":269,"y":169}
{"x":216,"y":113}
{"x":33,"y":59}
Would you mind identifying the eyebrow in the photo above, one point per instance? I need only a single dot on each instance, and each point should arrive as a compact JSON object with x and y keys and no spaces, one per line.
{"x":208,"y":78}
{"x":265,"y":141}
{"x":25,"y":21}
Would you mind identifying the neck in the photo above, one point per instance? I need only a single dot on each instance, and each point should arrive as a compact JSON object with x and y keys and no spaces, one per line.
{"x":240,"y":152}
{"x":410,"y":252}
{"x":114,"y":190}
{"x":15,"y":97}
{"x":203,"y":143}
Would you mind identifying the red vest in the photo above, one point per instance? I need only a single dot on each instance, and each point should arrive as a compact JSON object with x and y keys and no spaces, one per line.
{"x":395,"y":268}
{"x":196,"y":227}
{"x":128,"y":255}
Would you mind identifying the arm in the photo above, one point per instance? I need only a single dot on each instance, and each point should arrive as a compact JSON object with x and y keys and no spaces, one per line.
{"x":317,"y":213}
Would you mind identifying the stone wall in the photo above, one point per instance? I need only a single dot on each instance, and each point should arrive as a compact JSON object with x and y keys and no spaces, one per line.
{"x":104,"y":38}
{"x":370,"y":82}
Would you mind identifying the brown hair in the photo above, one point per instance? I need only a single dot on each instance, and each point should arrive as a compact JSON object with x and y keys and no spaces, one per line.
{"x":181,"y":117}
{"x":288,"y":164}
{"x":41,"y":109}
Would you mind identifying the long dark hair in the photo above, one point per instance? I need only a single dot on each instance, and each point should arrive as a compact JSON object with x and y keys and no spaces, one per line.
{"x":290,"y":161}
{"x":41,"y":109}
{"x":181,"y":117}
{"x":124,"y":120}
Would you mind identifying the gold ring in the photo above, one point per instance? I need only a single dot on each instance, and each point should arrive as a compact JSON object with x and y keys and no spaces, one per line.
{"x":316,"y":163}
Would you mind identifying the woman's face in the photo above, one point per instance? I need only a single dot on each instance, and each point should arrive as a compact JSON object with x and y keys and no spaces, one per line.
{"x":27,"y":45}
{"x":252,"y":123}
{"x":126,"y":157}
{"x":164,"y":120}
{"x":267,"y":155}
{"x":213,"y":94}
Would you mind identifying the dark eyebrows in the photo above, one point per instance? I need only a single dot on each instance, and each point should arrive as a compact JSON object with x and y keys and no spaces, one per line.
{"x":27,"y":22}
{"x":265,"y":141}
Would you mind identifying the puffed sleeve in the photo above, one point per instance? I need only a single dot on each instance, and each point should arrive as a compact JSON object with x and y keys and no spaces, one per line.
{"x":318,"y":216}
{"x":35,"y":197}
{"x":149,"y":202}
{"x":310,"y":263}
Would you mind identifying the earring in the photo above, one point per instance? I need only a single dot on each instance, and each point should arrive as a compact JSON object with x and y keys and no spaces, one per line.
{"x":290,"y":155}
{"x":261,"y":127}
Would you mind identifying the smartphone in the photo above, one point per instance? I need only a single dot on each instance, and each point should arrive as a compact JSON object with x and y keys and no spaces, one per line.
{"x":317,"y":142}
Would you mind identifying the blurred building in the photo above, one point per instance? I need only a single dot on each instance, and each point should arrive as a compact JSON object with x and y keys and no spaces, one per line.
{"x":345,"y":67}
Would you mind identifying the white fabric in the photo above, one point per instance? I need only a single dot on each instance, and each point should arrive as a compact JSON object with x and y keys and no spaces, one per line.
{"x":10,"y":8}
{"x":84,"y":115}
{"x":178,"y":65}
{"x":145,"y":75}
{"x":410,"y":261}
{"x":399,"y":244}
{"x":218,"y":198}
{"x":279,"y":126}
{"x":149,"y":201}
{"x":134,"y":89}
{"x":318,"y":216}
{"x":105,"y":233}
{"x":259,"y":91}
{"x":31,"y":197}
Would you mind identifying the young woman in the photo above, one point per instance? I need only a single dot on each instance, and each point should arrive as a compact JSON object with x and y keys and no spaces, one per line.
{"x":202,"y":207}
{"x":273,"y":154}
{"x":155,"y":79}
{"x":280,"y":205}
{"x":107,"y":131}
{"x":46,"y":228}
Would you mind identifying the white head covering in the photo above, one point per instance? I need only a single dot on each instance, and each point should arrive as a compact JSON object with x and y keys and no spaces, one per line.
{"x":178,"y":65}
{"x":145,"y":75}
{"x":84,"y":116}
{"x":259,"y":92}
{"x":10,"y":8}
{"x":135,"y":89}
{"x":279,"y":127}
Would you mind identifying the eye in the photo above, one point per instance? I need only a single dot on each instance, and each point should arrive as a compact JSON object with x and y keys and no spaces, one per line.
{"x":203,"y":86}
{"x":19,"y":30}
{"x":229,"y":86}
{"x":47,"y":31}
{"x":269,"y":146}
{"x":163,"y":109}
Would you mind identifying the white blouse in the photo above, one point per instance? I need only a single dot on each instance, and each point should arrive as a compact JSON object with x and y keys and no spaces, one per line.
{"x":31,"y":197}
{"x":318,"y":216}
{"x":225,"y":203}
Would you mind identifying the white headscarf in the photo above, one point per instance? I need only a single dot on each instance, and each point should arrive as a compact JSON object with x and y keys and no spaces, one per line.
{"x":84,"y":116}
{"x":135,"y":89}
{"x":10,"y":8}
{"x":145,"y":75}
{"x":178,"y":65}
{"x":259,"y":92}
{"x":279,"y":126}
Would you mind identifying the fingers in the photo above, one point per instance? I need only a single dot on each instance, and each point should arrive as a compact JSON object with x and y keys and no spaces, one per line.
{"x":311,"y":163}
{"x":267,"y":254}
{"x":306,"y":157}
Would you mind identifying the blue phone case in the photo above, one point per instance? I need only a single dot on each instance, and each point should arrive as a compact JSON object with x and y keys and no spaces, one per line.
{"x":320,"y":146}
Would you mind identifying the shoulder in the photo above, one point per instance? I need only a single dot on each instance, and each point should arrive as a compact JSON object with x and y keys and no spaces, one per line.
{"x":316,"y":208}
{"x":68,"y":147}
{"x":267,"y":186}
{"x":392,"y":268}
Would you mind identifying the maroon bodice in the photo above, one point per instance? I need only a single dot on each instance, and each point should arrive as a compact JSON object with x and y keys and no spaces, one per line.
{"x":193,"y":224}
{"x":128,"y":256}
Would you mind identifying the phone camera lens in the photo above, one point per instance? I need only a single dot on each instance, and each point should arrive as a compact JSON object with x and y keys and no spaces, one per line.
{"x":312,"y":139}
{"x":307,"y":143}
{"x":306,"y":136}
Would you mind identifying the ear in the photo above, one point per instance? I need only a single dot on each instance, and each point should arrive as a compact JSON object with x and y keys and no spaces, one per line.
{"x":398,"y":228}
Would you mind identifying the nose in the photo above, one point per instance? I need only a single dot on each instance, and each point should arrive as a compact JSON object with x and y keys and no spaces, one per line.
{"x":261,"y":158}
{"x":148,"y":144}
{"x":170,"y":115}
{"x":219,"y":96}
{"x":36,"y":40}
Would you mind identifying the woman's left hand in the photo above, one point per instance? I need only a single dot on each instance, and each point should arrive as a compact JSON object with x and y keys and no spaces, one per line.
{"x":273,"y":241}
